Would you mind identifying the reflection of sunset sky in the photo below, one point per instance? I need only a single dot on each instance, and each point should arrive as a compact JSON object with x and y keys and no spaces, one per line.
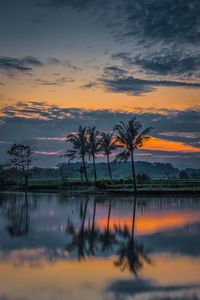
{"x":50,"y":279}
{"x":38,"y":265}
{"x":149,"y":221}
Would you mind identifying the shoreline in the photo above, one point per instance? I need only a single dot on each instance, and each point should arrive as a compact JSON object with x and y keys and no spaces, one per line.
{"x":95,"y":191}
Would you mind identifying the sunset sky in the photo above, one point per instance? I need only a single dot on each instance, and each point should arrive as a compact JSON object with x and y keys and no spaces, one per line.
{"x":95,"y":62}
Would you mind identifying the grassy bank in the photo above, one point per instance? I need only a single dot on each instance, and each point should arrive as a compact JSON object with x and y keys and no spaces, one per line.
{"x":116,"y":186}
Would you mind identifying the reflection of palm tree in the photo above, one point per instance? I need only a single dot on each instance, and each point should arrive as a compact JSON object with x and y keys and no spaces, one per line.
{"x":87,"y":241}
{"x":131,"y":254}
{"x":133,"y":217}
{"x":92,"y":233}
{"x":78,"y":237}
{"x":107,"y":237}
{"x":18,"y":213}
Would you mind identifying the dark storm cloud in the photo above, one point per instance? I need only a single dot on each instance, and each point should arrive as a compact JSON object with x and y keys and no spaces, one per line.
{"x":164,"y":62}
{"x":13,"y":65}
{"x":137,"y":86}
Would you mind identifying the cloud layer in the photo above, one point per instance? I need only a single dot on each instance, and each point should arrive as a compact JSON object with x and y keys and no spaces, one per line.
{"x":49,"y":125}
{"x":13,"y":65}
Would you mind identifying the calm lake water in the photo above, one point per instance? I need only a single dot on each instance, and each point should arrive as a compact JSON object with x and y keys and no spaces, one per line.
{"x":55,"y":247}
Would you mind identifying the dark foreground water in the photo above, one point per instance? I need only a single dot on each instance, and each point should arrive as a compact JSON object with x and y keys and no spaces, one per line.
{"x":55,"y":247}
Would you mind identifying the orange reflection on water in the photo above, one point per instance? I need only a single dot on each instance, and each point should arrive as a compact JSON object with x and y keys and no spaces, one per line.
{"x":146,"y":224}
{"x":89,"y":279}
{"x":57,"y":280}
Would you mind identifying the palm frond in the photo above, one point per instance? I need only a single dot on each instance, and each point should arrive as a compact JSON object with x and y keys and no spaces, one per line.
{"x":122,"y":156}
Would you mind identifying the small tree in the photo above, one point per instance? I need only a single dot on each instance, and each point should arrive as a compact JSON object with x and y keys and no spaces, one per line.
{"x":143,"y":177}
{"x":3,"y":175}
{"x":183,"y":175}
{"x":21,"y":157}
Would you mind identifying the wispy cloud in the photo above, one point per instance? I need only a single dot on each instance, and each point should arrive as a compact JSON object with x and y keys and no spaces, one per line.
{"x":57,"y":82}
{"x":165,"y":62}
{"x":138,"y":86}
{"x":12,"y":65}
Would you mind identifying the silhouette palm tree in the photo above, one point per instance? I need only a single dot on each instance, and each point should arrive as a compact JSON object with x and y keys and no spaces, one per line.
{"x":131,"y":254}
{"x":107,"y":146}
{"x":80,"y":147}
{"x":129,"y":138}
{"x":93,"y":142}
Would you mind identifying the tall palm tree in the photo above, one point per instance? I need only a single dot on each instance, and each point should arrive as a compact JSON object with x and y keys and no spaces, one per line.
{"x":79,"y":149}
{"x":107,"y":146}
{"x":93,"y":144}
{"x":129,"y":138}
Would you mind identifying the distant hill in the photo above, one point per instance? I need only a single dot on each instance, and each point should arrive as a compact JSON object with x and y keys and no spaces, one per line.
{"x":72,"y":170}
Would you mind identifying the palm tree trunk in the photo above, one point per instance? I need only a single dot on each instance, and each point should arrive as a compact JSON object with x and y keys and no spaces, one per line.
{"x":84,"y":167}
{"x":133,"y":172}
{"x":133,"y":218}
{"x":94,"y":214}
{"x":27,"y":177}
{"x":109,"y":169}
{"x":108,"y":220}
{"x":94,"y":167}
{"x":81,"y":173}
{"x":84,"y":216}
{"x":26,"y":213}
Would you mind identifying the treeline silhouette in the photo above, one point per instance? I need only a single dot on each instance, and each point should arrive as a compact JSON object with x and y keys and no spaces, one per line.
{"x":87,"y":143}
{"x":85,"y":146}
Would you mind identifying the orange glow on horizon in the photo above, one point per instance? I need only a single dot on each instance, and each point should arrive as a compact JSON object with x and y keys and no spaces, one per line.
{"x":166,"y":145}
